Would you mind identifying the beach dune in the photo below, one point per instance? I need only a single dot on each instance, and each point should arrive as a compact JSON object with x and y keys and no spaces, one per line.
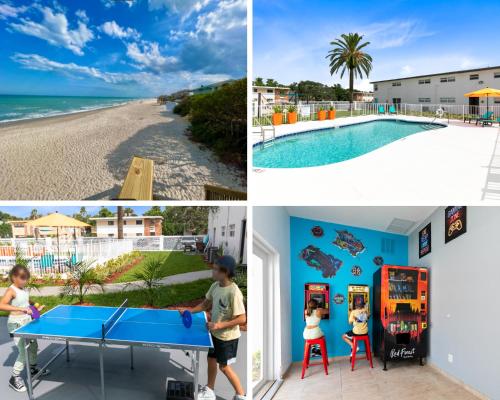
{"x":85,"y":156}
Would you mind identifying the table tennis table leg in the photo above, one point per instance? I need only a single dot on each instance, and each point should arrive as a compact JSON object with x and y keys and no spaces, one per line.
{"x":28,"y":368}
{"x":101,"y":364}
{"x":67,"y":350}
{"x":131,"y":357}
{"x":196,"y":370}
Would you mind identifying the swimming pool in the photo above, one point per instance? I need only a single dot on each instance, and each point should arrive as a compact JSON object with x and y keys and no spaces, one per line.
{"x":332,"y":145}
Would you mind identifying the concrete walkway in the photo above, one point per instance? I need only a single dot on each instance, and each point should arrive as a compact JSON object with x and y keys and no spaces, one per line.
{"x":120,"y":287}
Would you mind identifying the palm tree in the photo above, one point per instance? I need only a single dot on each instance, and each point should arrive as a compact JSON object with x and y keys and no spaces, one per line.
{"x":120,"y":221}
{"x":348,"y":54}
{"x":82,"y":279}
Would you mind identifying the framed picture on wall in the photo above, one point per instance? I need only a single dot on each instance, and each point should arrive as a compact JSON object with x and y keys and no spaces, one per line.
{"x":424,"y":241}
{"x":455,"y":222}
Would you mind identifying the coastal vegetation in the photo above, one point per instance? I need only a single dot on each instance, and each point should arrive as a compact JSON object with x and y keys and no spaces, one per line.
{"x":218,"y":120}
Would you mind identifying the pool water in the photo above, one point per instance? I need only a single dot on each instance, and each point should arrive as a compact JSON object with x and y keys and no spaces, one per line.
{"x":332,"y":145}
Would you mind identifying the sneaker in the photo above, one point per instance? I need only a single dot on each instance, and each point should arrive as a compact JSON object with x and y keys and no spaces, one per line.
{"x":206,"y":394}
{"x":239,"y":397}
{"x":34,"y":370}
{"x":17,"y":383}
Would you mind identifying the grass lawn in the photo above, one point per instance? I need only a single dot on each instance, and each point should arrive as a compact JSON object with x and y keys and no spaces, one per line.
{"x":175,"y":262}
{"x":167,"y":296}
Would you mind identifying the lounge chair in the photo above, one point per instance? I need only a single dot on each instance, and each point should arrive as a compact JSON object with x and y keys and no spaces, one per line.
{"x":485,"y":119}
{"x":392,"y":110}
{"x":381,"y":110}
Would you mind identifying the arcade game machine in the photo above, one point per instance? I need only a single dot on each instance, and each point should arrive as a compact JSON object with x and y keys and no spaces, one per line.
{"x":319,"y":292}
{"x":357,"y":294}
{"x":400,"y":313}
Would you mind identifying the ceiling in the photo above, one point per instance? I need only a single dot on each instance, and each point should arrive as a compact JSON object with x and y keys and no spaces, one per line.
{"x":401,"y":220}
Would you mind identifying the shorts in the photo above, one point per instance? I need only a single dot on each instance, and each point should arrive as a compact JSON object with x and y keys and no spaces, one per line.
{"x":224,"y":351}
{"x":350,"y":334}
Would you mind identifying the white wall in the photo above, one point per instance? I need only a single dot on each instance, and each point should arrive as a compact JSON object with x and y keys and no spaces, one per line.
{"x":273,"y":225}
{"x":410,"y":90}
{"x":131,"y":229}
{"x":465,"y":298}
{"x":224,"y":217}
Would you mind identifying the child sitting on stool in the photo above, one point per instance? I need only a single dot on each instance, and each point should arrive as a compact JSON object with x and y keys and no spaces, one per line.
{"x":359,"y":320}
{"x":312,"y":330}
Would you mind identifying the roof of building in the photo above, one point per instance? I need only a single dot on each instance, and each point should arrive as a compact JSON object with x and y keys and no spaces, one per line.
{"x":270,"y":87}
{"x":437,"y":74}
{"x":127,"y":217}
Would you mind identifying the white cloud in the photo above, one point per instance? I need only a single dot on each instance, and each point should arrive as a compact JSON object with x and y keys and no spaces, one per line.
{"x":184,"y":8}
{"x":7,"y":11}
{"x":112,"y":29}
{"x":40,"y":63}
{"x":147,"y":56}
{"x":406,"y":70}
{"x":111,"y":3}
{"x":81,"y":14}
{"x":54,"y":28}
{"x":383,"y":35}
{"x":228,"y":15}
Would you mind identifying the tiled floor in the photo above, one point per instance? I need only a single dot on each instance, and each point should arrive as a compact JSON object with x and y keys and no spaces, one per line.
{"x":402,"y":381}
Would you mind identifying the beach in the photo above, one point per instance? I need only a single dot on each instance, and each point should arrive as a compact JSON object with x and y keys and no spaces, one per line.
{"x":85,"y":156}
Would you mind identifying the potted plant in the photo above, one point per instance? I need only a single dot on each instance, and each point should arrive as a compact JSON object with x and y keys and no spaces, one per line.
{"x":331,"y":113}
{"x":277,"y":115}
{"x":321,"y":114}
{"x":292,"y":114}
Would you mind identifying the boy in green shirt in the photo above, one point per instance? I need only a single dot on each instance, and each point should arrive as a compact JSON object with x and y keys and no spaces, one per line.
{"x":225,"y":301}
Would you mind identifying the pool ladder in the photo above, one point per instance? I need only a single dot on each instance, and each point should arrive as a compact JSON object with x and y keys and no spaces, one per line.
{"x":266,"y":141}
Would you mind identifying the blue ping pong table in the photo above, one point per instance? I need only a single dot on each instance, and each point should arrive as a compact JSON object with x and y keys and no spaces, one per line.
{"x":104,"y":326}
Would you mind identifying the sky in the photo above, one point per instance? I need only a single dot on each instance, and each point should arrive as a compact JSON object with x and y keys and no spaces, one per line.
{"x":25,"y":211}
{"x":407,"y":37}
{"x":132,"y":48}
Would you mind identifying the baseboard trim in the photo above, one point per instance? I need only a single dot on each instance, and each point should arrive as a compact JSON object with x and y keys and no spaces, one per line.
{"x":459,"y":382}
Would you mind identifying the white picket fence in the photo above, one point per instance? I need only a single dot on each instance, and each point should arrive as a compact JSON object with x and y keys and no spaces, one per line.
{"x":47,"y":257}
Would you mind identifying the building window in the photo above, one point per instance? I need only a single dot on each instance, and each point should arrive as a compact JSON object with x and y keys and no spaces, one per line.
{"x":269,"y":90}
{"x":448,"y":79}
{"x":447,"y":100}
{"x":496,"y":75}
{"x":223,"y":231}
{"x":424,"y":81}
{"x":474,"y":77}
{"x":124,"y":222}
{"x":232,"y":230}
{"x":497,"y":100}
{"x":255,"y":90}
{"x":424,"y":100}
{"x":396,"y":83}
{"x":111,"y":235}
{"x":138,"y":234}
{"x":375,"y":87}
{"x":138,"y":221}
{"x":111,"y":223}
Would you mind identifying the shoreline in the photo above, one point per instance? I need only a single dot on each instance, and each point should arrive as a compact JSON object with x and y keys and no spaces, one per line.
{"x":10,"y":122}
{"x":86,"y":155}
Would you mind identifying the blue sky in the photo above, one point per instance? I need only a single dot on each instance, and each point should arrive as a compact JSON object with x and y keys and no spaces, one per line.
{"x":135,"y":48}
{"x":24,"y":211}
{"x":408,"y":37}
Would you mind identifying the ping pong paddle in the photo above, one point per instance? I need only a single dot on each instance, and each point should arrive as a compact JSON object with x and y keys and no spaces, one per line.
{"x":187,"y":319}
{"x":35,"y":313}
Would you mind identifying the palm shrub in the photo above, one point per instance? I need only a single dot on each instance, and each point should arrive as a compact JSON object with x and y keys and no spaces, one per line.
{"x":292,"y":109}
{"x":20,"y":259}
{"x":277,"y":109}
{"x":150,"y":276}
{"x":82,"y":278}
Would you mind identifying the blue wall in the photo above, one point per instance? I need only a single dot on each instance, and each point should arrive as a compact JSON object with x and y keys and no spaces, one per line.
{"x":301,"y":273}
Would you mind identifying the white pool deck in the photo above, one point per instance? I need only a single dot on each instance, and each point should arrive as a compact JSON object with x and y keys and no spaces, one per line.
{"x":458,"y":164}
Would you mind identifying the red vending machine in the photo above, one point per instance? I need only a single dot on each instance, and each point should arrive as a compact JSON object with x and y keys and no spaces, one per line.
{"x":400,"y":313}
{"x":319,"y":292}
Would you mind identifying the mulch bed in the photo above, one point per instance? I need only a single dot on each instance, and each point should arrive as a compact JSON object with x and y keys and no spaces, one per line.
{"x":118,"y":274}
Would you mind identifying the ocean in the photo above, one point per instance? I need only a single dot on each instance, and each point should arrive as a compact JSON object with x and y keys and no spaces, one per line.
{"x":17,"y":107}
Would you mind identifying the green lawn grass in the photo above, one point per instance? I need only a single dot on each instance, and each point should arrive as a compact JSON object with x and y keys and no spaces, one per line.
{"x":167,"y":296}
{"x":175,"y":262}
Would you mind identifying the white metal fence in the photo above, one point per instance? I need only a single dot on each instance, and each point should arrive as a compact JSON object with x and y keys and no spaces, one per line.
{"x":262,"y":115}
{"x":46,"y":256}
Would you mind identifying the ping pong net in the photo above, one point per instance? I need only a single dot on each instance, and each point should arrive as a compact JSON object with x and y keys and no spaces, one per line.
{"x":110,"y":322}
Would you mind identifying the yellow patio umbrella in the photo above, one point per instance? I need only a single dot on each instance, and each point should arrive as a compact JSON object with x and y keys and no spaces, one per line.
{"x":486,"y":92}
{"x":56,"y":220}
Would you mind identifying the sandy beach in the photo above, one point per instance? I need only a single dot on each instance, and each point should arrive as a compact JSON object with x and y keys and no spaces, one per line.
{"x":85,"y":156}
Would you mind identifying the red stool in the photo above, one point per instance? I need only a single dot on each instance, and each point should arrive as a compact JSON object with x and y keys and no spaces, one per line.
{"x":307,"y":350}
{"x":355,"y":340}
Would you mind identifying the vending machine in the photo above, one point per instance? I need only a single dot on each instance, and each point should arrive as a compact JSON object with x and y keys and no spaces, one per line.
{"x":400,"y":313}
{"x":319,"y":292}
{"x":357,"y":294}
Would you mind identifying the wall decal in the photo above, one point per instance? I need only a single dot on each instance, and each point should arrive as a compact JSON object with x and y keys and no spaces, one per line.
{"x":326,"y":263}
{"x":356,"y":270}
{"x":424,"y":241}
{"x":339,"y":298}
{"x":455,"y":222}
{"x":378,"y":261}
{"x":317,"y":231}
{"x":347,"y":241}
